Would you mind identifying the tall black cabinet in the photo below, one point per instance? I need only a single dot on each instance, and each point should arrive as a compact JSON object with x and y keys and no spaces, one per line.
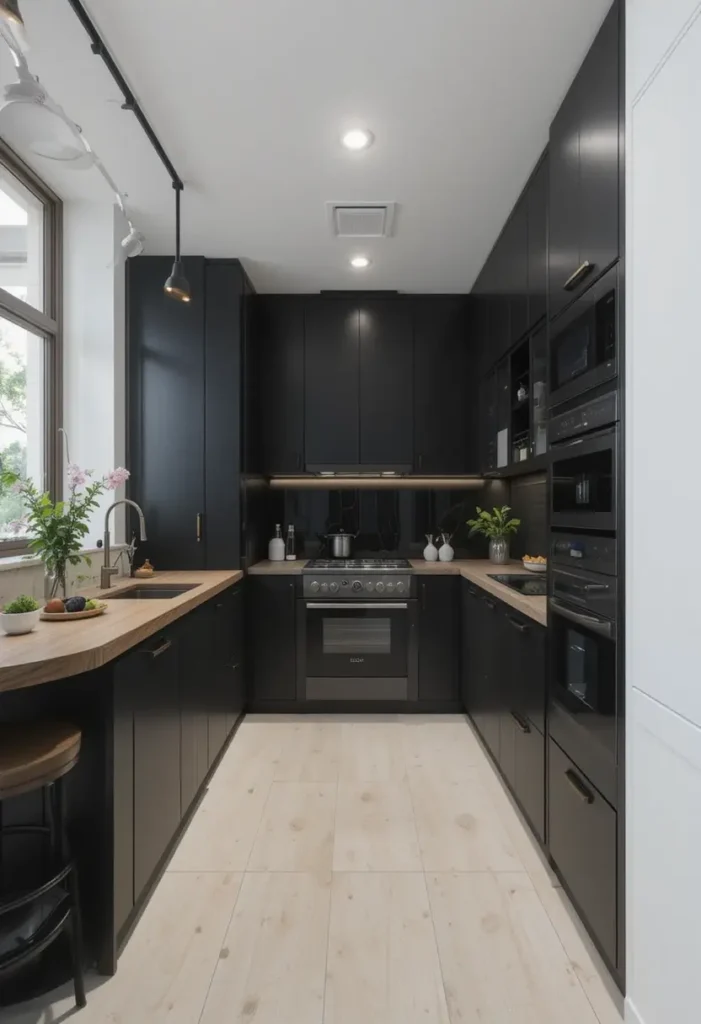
{"x":185,"y":439}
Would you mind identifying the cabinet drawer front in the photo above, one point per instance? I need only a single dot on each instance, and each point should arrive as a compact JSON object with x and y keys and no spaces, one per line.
{"x":582,"y":834}
{"x":530,"y":776}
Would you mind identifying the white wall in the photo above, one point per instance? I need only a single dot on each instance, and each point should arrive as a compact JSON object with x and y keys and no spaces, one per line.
{"x":663,"y":495}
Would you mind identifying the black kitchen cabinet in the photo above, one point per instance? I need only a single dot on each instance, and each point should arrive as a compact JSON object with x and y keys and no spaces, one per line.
{"x":439,"y":625}
{"x":154,"y":669}
{"x":537,"y":199}
{"x":331,"y":384}
{"x":442,"y":378}
{"x":271,"y":630}
{"x":582,"y":842}
{"x":584,"y":171}
{"x":482,"y":669}
{"x":123,"y":790}
{"x":196,"y":684}
{"x":228,"y":677}
{"x":386,"y":384}
{"x":513,"y":265}
{"x":488,"y":423}
{"x":279,"y":329}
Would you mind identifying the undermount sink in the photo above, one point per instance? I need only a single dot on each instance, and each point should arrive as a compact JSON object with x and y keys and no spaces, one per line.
{"x":150,"y":592}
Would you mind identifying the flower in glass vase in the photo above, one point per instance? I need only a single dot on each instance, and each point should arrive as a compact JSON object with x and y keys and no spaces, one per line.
{"x":497,"y":526}
{"x":57,"y":529}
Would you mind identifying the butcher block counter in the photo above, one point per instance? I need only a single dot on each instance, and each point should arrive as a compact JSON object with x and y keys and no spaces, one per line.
{"x":56,"y":650}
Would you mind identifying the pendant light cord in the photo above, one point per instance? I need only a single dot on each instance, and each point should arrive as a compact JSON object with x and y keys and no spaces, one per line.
{"x":178,"y":189}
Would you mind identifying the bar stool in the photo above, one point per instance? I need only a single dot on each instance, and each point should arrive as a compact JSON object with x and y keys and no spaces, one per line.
{"x":36,"y":756}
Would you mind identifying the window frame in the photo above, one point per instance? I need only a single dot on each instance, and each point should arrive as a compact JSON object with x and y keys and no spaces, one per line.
{"x":47,"y":324}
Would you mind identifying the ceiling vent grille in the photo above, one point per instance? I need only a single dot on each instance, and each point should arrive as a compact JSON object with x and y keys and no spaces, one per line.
{"x":361,"y":220}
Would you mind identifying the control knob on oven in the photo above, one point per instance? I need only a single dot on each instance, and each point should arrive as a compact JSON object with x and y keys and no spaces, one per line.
{"x":333,"y":587}
{"x":380,"y":587}
{"x":400,"y":587}
{"x":357,"y":585}
{"x":369,"y":586}
{"x":390,"y":587}
{"x":324,"y":588}
{"x":314,"y":587}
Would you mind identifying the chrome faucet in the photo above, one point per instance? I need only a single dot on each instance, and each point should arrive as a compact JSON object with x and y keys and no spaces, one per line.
{"x":108,"y":570}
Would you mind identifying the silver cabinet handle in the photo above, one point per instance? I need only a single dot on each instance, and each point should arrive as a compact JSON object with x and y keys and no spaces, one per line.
{"x":160,"y":650}
{"x":603,"y":627}
{"x":580,"y":273}
{"x":337,"y":605}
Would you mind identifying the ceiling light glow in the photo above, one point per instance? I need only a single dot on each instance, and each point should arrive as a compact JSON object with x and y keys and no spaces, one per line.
{"x":360,"y":262}
{"x":358,"y":138}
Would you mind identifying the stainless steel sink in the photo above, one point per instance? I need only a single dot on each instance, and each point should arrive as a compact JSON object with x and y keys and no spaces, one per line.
{"x":150,"y":592}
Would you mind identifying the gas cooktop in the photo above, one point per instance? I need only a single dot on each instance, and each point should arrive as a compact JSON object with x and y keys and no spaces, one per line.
{"x":357,"y":565}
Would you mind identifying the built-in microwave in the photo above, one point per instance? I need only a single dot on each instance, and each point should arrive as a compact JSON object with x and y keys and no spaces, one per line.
{"x":583,"y":482}
{"x":584,"y":342}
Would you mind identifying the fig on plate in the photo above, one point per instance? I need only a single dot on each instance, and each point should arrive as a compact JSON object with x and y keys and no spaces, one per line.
{"x":75,"y":604}
{"x":55,"y":606}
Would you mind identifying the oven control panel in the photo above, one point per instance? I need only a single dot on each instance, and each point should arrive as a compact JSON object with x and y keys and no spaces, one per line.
{"x":349,"y":587}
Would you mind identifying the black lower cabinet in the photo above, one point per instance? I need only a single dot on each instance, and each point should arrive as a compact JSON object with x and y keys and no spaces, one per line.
{"x":582,"y":841}
{"x":194,"y":648}
{"x":439,"y":625}
{"x":271,"y":611}
{"x":482,"y":677}
{"x":123,"y":795}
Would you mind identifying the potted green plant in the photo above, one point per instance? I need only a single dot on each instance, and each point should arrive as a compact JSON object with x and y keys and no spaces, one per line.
{"x":20,"y":615}
{"x":497,"y":526}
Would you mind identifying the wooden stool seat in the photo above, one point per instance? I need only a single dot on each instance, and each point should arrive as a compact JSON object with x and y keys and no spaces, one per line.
{"x":35,"y":754}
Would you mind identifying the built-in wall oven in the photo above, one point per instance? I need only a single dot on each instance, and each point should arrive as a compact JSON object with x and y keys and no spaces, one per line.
{"x":584,"y":342}
{"x":357,"y":627}
{"x":583,"y":677}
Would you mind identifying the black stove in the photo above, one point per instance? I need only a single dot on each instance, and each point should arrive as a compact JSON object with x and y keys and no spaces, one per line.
{"x":344,"y":579}
{"x":530,"y":586}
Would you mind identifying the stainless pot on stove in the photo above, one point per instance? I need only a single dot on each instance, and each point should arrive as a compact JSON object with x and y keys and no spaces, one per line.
{"x":341,"y":543}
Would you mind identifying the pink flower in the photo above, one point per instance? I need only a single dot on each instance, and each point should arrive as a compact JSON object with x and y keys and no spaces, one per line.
{"x":116,"y":477}
{"x":77,"y":477}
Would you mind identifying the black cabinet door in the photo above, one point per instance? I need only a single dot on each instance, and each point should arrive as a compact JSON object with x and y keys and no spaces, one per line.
{"x":331,"y":388}
{"x":386,"y":384}
{"x":525,"y":641}
{"x":166,"y":448}
{"x":514,"y":267}
{"x":439,"y":609}
{"x":222,"y":414}
{"x":530,"y":775}
{"x":156,"y":753}
{"x":485,"y":674}
{"x":123,"y":789}
{"x":538,"y":243}
{"x":441,"y":380}
{"x":598,"y":89}
{"x":196,"y":682}
{"x":270,"y":609}
{"x":279,"y":325}
{"x":488,"y":423}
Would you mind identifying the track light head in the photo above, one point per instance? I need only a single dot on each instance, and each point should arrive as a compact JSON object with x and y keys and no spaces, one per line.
{"x":133,"y":243}
{"x":177,"y":286}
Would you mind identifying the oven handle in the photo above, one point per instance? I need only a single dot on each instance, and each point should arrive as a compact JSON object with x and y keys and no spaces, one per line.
{"x":365,"y":606}
{"x":603,"y":627}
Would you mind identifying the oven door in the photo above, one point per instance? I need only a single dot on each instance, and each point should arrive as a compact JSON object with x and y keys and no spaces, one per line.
{"x":583,"y":342}
{"x":582,"y":714}
{"x":583,"y":483}
{"x":360,"y":650}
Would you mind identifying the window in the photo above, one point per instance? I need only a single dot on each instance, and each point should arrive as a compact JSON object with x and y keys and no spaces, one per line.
{"x":30,"y":338}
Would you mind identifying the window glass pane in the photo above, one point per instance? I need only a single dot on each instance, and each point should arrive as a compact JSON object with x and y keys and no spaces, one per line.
{"x":21,"y":241}
{"x":21,"y":417}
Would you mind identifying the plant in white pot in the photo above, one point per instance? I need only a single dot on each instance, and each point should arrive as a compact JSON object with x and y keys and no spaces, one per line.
{"x":20,"y":616}
{"x":497,"y":526}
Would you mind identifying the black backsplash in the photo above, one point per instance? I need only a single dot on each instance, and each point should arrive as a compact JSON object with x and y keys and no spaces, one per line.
{"x":529,"y":501}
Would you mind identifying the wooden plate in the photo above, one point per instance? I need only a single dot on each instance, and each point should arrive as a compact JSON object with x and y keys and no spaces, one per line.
{"x":91,"y":613}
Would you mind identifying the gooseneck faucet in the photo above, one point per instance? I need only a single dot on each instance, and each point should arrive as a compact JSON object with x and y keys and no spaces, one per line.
{"x":108,"y":570}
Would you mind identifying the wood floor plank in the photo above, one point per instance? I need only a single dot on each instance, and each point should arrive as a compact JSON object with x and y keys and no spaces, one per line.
{"x":272,"y":966}
{"x":311,"y":753}
{"x":297,"y":828}
{"x":446,"y":749}
{"x":383,"y":965}
{"x":375,"y":828}
{"x":501,"y":959}
{"x":372,"y":752}
{"x":458,"y":826}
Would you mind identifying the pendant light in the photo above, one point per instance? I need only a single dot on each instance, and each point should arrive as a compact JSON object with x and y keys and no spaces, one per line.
{"x":177,"y":285}
{"x":10,"y":14}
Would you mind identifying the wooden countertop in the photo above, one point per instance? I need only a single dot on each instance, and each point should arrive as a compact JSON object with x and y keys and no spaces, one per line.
{"x":477,"y":570}
{"x":56,"y":650}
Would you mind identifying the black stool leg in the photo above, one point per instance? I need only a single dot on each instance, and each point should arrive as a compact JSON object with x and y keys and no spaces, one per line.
{"x":74,"y":924}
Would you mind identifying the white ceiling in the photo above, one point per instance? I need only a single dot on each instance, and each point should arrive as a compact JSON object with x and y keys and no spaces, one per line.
{"x":250,"y":98}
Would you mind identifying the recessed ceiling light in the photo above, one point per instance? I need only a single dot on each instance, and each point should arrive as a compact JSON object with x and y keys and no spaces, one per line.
{"x":358,"y":138}
{"x":360,"y":262}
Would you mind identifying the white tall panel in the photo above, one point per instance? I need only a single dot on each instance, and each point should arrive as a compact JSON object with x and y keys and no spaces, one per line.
{"x":653,"y":25}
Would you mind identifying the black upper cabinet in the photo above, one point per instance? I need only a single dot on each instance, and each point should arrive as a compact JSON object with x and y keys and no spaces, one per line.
{"x":488,"y":425}
{"x":537,"y":199}
{"x":439,"y":625}
{"x":386,"y":384}
{"x":332,"y":378}
{"x":166,"y":366}
{"x":584,"y":171}
{"x":514,"y":262}
{"x":442,"y":441}
{"x":279,"y":327}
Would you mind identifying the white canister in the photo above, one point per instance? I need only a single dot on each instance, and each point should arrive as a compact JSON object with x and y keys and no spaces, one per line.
{"x":446,"y":552}
{"x":276,"y":546}
{"x":430,"y":551}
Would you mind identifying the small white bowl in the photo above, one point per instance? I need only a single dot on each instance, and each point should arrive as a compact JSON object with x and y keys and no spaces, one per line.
{"x":535,"y":566}
{"x":24,"y":622}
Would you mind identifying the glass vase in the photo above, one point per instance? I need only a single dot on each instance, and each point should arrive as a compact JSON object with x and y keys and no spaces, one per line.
{"x":498,"y":550}
{"x":55,"y":583}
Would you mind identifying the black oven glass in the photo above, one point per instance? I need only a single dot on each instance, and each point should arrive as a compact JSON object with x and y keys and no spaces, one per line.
{"x":585,"y":679}
{"x":586,"y":343}
{"x":584,"y":483}
{"x":353,"y":635}
{"x":347,"y":640}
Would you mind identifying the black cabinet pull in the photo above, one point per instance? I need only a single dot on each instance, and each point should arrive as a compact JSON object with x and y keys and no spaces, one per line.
{"x":472,"y":591}
{"x":420,"y":462}
{"x":582,"y":791}
{"x":520,"y":626}
{"x":160,"y":650}
{"x":423,"y":597}
{"x":489,"y":604}
{"x":578,"y":276}
{"x":299,"y":461}
{"x":199,"y":527}
{"x":520,"y":722}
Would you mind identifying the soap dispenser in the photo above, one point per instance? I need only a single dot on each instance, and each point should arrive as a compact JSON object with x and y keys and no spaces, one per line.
{"x":276,"y":546}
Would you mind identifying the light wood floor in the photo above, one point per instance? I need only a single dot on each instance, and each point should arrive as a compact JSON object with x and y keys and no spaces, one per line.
{"x":352,"y":871}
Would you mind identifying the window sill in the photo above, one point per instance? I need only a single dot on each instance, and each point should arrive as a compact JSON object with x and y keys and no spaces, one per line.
{"x":22,"y":562}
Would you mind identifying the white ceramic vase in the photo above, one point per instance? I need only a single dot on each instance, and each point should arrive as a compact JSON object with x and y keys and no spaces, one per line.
{"x":430,"y":551}
{"x":446,"y":553}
